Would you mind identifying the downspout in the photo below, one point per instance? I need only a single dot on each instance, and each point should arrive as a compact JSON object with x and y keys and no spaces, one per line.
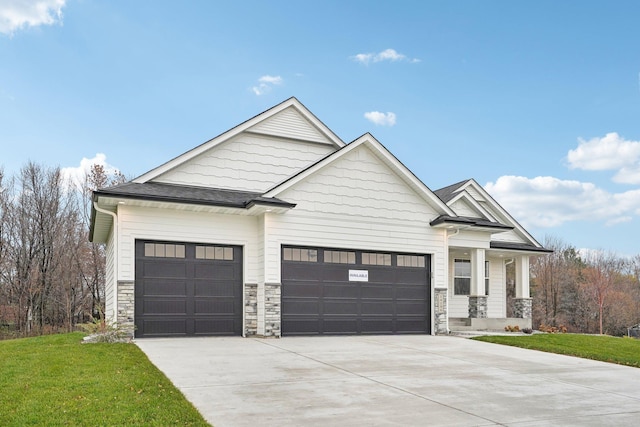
{"x":115,"y":257}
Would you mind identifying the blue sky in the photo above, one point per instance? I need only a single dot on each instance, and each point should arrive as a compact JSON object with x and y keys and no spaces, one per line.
{"x":538,"y":101}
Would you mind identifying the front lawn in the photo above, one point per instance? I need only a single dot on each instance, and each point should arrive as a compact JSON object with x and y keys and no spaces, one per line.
{"x":623,"y":351}
{"x":55,"y":380}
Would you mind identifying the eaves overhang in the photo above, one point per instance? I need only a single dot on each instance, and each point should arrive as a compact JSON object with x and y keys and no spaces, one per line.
{"x":519,"y":247}
{"x":467,"y":223}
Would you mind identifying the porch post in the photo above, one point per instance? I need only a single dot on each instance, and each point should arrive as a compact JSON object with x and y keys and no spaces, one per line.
{"x":477,"y":297}
{"x":522,"y":302}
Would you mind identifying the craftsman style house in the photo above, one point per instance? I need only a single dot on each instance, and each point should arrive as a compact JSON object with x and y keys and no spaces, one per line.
{"x":277,"y":227}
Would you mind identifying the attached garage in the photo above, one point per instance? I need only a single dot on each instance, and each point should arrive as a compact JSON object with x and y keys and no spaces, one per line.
{"x":337,"y":291}
{"x":187,"y":289}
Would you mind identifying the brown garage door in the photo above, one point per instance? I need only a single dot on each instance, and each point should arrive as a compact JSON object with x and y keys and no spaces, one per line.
{"x":337,"y":291}
{"x":186,"y":289}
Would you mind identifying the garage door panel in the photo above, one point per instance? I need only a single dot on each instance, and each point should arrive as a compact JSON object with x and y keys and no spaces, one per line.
{"x":164,"y":327}
{"x":337,"y":290}
{"x":164,"y":287}
{"x":320,"y":298}
{"x":157,"y":269}
{"x":164,"y":306}
{"x":338,"y":325}
{"x":377,"y":291}
{"x":301,"y":307}
{"x":339,"y":306}
{"x":187,"y":296}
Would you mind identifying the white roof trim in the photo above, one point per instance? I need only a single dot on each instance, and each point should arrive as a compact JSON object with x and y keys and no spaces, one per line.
{"x":490,"y":200}
{"x":370,"y":141}
{"x":291,"y":102}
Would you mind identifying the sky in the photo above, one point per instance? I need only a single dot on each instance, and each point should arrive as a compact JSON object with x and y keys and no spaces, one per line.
{"x":538,"y":101}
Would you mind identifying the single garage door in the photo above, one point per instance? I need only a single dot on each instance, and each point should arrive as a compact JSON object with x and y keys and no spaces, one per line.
{"x":187,"y":289}
{"x":337,"y":291}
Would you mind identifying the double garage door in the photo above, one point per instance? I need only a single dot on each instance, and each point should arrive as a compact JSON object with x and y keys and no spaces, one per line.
{"x":330,"y":291}
{"x":187,"y":289}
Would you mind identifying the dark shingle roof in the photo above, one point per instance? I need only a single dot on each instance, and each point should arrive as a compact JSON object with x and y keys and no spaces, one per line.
{"x":518,"y":247}
{"x":193,"y":195}
{"x":447,"y":193}
{"x":472,"y":222}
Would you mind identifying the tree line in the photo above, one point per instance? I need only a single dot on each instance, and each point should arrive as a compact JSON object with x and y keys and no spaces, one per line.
{"x":51,"y":276}
{"x":595,"y":292}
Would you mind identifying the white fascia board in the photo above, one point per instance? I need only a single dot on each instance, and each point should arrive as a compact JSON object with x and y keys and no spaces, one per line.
{"x":463,"y":194}
{"x":154,"y":173}
{"x":382,"y":152}
{"x":511,"y":220}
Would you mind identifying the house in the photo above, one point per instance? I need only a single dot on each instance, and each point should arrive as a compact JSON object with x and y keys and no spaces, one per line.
{"x":277,"y":227}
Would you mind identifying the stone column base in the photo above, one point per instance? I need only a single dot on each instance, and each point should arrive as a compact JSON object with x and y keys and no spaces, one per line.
{"x":126,"y":306}
{"x":522,"y":308}
{"x":250,"y":309}
{"x":272,"y":311}
{"x":440,"y":311}
{"x":478,"y":307}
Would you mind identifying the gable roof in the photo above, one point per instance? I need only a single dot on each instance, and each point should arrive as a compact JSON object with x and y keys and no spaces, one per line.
{"x":381,"y":152}
{"x":453,"y":192}
{"x":266,"y":122}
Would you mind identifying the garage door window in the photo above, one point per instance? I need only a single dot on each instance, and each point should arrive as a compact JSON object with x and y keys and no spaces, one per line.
{"x":340,"y":257}
{"x":411,"y":261}
{"x":221,"y":253}
{"x":163,"y":250}
{"x":300,"y":254}
{"x":376,"y":259}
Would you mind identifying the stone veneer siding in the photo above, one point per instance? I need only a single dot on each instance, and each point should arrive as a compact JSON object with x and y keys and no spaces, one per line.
{"x":250,"y":309}
{"x":522,"y":308}
{"x":478,"y":307}
{"x":440,"y":311}
{"x":126,"y":305}
{"x":272,"y":310}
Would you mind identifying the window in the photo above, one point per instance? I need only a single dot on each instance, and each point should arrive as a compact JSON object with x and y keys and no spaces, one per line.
{"x":410,"y":260}
{"x":462,"y":277}
{"x":376,"y":259}
{"x":340,"y":257}
{"x":163,"y":250}
{"x":224,"y":253}
{"x":486,"y":278}
{"x":300,"y":254}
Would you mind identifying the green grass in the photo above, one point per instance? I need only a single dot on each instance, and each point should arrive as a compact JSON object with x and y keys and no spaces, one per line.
{"x":623,"y":351}
{"x":57,"y":381}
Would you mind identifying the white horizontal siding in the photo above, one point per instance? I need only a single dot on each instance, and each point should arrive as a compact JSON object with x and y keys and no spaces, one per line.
{"x":509,"y":236}
{"x":356,"y":203}
{"x":289,"y":123}
{"x":109,"y":286}
{"x":181,"y":226}
{"x":496,"y":302}
{"x":247,"y":162}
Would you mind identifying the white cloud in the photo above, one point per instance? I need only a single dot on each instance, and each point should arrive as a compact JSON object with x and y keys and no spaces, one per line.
{"x":381,"y":119}
{"x":549,"y":202}
{"x":17,"y":14}
{"x":76,"y":174}
{"x":386,"y":55}
{"x":611,"y":152}
{"x":265,"y":83}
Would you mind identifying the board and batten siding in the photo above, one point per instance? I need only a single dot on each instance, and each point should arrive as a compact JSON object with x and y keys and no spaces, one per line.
{"x":291,"y":124}
{"x":356,"y":202}
{"x":247,"y":162}
{"x":184,"y":226}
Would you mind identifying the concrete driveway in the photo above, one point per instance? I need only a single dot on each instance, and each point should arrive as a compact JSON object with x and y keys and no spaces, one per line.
{"x":393,"y":381}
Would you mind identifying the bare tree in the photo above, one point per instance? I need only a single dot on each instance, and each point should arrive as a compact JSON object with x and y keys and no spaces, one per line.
{"x":599,"y":280}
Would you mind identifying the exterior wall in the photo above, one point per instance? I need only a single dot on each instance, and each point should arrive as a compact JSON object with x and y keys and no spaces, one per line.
{"x":184,"y":226}
{"x":462,"y":208}
{"x":355,"y":203}
{"x":126,"y":305}
{"x":247,"y":162}
{"x":109,"y":288}
{"x":470,"y":239}
{"x":495,"y":301}
{"x":250,"y":309}
{"x":440,"y":312}
{"x":290,"y":124}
